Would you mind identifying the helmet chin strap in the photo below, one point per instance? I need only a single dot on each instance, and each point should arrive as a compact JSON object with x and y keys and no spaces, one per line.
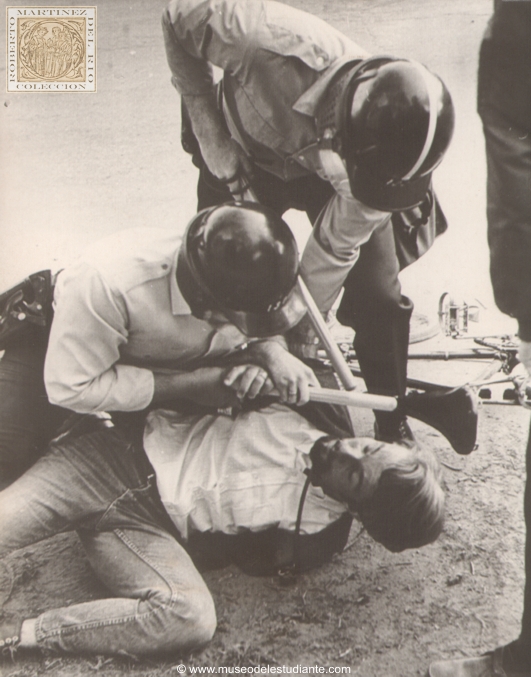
{"x":332,"y":163}
{"x":430,"y":82}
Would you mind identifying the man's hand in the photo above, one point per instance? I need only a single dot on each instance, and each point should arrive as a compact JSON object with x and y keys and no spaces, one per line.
{"x":224,"y":157}
{"x":524,"y":355}
{"x":291,"y":377}
{"x":302,"y":340}
{"x":250,"y":381}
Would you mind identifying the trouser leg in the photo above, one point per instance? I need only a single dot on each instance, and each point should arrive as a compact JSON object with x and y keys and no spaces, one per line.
{"x":159,"y":602}
{"x":509,"y":224}
{"x":27,"y":420}
{"x":509,"y":214}
{"x":380,"y":314}
{"x":525,"y":635}
{"x":93,"y":483}
{"x":72,"y":484}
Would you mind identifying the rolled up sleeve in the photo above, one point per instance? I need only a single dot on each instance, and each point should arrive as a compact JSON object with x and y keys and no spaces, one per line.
{"x":90,"y":325}
{"x":184,"y":28}
{"x":199,"y":34}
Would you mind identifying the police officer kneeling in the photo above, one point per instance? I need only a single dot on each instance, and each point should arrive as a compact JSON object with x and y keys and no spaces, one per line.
{"x":168,"y":336}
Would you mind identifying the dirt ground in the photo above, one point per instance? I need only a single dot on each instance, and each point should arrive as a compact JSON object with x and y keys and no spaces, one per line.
{"x":377,"y":612}
{"x":76,"y":166}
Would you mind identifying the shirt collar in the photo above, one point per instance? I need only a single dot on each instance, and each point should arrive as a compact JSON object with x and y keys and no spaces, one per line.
{"x":308,"y":101}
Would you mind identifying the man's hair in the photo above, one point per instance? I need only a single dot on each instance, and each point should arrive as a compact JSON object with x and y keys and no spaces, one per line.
{"x":404,"y":507}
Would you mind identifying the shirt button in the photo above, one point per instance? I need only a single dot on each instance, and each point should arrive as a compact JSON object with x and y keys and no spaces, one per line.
{"x":319,"y":61}
{"x":164,"y":266}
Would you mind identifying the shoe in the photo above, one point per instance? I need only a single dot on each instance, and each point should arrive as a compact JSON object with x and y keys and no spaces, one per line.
{"x":489,"y":665}
{"x":393,"y":430}
{"x":9,"y":638}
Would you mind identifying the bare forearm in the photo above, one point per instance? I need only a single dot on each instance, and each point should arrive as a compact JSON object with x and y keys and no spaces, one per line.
{"x":176,"y":386}
{"x":203,"y":386}
{"x":207,"y":119}
{"x":222,"y":154}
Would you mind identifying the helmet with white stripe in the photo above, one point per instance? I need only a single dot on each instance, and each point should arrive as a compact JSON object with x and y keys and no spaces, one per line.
{"x":394,"y":120}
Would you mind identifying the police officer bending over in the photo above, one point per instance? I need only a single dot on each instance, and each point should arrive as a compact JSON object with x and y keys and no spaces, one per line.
{"x":310,"y":121}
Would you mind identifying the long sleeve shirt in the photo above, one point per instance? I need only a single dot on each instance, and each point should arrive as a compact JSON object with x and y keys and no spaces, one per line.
{"x":223,"y":474}
{"x":119,"y":317}
{"x":277,"y":62}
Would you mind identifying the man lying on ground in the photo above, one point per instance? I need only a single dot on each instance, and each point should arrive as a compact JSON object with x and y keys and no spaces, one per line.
{"x":142,"y":323}
{"x":211,"y":476}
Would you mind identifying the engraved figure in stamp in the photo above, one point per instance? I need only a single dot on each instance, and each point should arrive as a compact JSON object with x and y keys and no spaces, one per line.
{"x":51,"y":49}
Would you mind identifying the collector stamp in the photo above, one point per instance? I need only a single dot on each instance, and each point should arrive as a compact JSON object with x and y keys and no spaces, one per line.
{"x":51,"y":49}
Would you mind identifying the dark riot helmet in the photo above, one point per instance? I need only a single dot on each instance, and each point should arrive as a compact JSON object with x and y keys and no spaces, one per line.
{"x":394,"y":120}
{"x":241,"y":259}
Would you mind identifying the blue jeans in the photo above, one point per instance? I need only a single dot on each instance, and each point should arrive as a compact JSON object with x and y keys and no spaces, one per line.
{"x":98,"y":485}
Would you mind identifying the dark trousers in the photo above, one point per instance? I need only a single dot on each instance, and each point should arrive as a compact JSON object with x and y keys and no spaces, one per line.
{"x":525,"y":635}
{"x":27,"y":420}
{"x":372,"y":302}
{"x":509,"y":228}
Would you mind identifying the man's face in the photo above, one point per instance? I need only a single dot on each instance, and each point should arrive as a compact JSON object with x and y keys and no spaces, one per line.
{"x":339,"y":466}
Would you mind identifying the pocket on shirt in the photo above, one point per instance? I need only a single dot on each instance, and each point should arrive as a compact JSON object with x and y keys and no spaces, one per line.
{"x":253,"y":500}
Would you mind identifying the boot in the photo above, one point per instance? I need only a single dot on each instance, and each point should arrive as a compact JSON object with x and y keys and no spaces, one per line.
{"x":392,"y":426}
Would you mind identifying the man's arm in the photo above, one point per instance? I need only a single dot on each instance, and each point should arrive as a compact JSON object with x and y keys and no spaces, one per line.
{"x":277,"y":372}
{"x":333,"y":246}
{"x":83,"y":373}
{"x":196,"y":37}
{"x":89,"y":328}
{"x":330,"y":253}
{"x":205,"y":386}
{"x":224,"y":157}
{"x":82,"y":370}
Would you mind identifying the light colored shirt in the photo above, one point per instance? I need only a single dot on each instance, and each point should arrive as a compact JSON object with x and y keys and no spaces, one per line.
{"x":277,"y":63}
{"x":216,"y":473}
{"x":119,"y":317}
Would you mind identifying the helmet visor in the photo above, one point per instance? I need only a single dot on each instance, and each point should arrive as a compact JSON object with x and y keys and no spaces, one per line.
{"x":390,"y":196}
{"x":275,"y":321}
{"x":253,"y":324}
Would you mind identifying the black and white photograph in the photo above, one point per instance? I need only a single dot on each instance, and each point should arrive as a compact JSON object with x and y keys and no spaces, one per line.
{"x":265,"y":338}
